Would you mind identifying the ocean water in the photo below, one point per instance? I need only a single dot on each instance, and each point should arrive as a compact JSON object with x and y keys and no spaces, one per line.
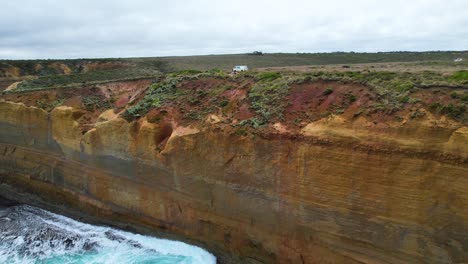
{"x":32,"y":235}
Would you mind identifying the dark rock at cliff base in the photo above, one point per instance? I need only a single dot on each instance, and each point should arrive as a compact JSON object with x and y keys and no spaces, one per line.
{"x":4,"y":202}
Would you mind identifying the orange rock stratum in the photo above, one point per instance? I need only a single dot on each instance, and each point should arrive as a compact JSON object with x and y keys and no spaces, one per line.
{"x":341,"y":188}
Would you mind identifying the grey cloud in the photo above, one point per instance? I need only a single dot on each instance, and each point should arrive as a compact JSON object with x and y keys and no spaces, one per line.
{"x":87,"y":28}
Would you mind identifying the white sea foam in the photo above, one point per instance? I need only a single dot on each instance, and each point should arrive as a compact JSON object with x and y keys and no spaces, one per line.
{"x":32,"y":235}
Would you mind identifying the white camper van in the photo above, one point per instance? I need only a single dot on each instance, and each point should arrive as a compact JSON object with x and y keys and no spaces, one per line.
{"x":240,"y":68}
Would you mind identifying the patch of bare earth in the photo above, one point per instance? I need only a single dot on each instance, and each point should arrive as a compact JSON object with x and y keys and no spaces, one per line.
{"x":312,"y":101}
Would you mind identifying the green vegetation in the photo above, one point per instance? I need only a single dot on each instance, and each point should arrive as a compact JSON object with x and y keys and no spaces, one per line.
{"x":454,"y":111}
{"x":404,"y":99}
{"x":155,"y":97}
{"x":339,"y":111}
{"x":464,"y":98}
{"x":46,"y":105}
{"x":403,"y":86}
{"x":460,"y":76}
{"x":358,"y":113}
{"x":241,"y":130}
{"x":393,"y":88}
{"x":217,"y":72}
{"x":258,"y":53}
{"x":268,"y":76}
{"x":416,"y":114}
{"x":267,"y":97}
{"x":95,"y":102}
{"x":167,"y":91}
{"x":226,"y":62}
{"x":455,"y":95}
{"x":223,"y":103}
{"x":328,"y":91}
{"x":75,"y":66}
{"x":185,"y":72}
{"x":92,"y":77}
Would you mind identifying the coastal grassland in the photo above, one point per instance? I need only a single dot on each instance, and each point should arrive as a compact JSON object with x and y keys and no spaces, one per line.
{"x":169,"y":91}
{"x":54,"y":67}
{"x":268,"y":94}
{"x":394,"y":78}
{"x":92,"y":77}
{"x":225,"y":62}
{"x":394,"y":91}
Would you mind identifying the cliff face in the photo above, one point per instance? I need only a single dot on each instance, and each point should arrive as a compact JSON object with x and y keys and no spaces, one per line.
{"x":339,"y":190}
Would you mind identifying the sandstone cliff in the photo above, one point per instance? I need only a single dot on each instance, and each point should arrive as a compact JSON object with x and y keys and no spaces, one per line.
{"x":341,"y":188}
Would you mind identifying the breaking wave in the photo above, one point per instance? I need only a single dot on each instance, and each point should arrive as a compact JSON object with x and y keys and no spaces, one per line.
{"x":32,"y":235}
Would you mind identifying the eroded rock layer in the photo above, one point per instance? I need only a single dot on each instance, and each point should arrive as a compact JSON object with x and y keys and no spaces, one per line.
{"x":339,"y":190}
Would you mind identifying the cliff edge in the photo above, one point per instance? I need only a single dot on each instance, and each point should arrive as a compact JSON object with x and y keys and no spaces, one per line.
{"x":264,"y":167}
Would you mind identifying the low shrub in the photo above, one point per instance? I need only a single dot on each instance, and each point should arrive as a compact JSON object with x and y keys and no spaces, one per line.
{"x":94,"y":102}
{"x":223,"y":103}
{"x":268,"y":76}
{"x":460,"y":76}
{"x":158,"y":94}
{"x":464,"y":98}
{"x":268,"y":98}
{"x":454,"y":95}
{"x":403,"y":86}
{"x":452,"y":110}
{"x":44,"y":104}
{"x":328,"y":91}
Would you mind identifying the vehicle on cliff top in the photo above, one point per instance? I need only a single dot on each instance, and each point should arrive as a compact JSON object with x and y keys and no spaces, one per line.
{"x":240,"y":68}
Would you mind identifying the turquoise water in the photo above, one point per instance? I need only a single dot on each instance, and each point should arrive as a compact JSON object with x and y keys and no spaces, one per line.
{"x":31,"y":235}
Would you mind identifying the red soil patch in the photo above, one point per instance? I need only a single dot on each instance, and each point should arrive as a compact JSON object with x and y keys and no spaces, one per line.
{"x":127,"y":89}
{"x":244,"y":112}
{"x":74,"y":102}
{"x":211,"y":95}
{"x":31,"y":98}
{"x":163,"y":114}
{"x":236,"y":94}
{"x":122,"y":102}
{"x":308,"y":101}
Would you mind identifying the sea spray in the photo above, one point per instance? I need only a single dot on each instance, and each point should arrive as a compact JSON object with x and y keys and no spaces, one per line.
{"x":32,"y":235}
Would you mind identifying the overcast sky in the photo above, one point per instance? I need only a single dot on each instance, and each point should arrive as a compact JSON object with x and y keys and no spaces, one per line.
{"x":144,"y":28}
